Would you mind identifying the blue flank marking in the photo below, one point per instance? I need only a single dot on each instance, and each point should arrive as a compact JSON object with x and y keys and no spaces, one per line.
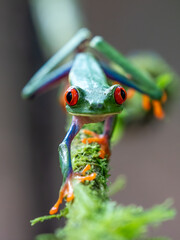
{"x":73,"y":130}
{"x":55,"y":76}
{"x":118,"y":77}
{"x":38,"y":85}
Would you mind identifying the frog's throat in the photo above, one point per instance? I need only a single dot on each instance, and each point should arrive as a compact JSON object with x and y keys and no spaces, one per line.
{"x":85,"y":119}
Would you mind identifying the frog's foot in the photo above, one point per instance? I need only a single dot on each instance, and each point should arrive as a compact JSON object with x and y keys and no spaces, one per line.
{"x":81,"y":177}
{"x":157,"y":105}
{"x":146,"y":102}
{"x":157,"y":109}
{"x":66,"y":191}
{"x":102,"y":140}
{"x":67,"y":188}
{"x":164,"y":97}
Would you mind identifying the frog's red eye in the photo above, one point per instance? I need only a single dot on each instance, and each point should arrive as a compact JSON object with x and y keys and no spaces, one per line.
{"x":120,"y":95}
{"x":71,"y":96}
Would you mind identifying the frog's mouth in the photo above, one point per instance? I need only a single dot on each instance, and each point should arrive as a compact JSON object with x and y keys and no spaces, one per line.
{"x":92,"y":118}
{"x":93,"y":115}
{"x":86,"y":118}
{"x":95,"y":110}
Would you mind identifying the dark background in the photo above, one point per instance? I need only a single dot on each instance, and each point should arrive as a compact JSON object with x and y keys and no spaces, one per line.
{"x":31,"y":131}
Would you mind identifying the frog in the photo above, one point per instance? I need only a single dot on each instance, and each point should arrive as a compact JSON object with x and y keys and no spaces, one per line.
{"x":89,"y":97}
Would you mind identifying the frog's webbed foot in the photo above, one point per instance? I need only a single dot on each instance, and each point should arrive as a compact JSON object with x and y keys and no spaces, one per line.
{"x":102,"y":140}
{"x":67,"y":189}
{"x":147,"y":103}
{"x":157,"y":105}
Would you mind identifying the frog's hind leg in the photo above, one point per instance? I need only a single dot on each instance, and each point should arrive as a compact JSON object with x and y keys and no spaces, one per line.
{"x":48,"y":75}
{"x":103,"y":139}
{"x":146,"y":99}
{"x":142,"y":82}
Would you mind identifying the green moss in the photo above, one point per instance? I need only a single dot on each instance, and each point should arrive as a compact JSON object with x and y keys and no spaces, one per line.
{"x":83,"y":154}
{"x":93,"y":216}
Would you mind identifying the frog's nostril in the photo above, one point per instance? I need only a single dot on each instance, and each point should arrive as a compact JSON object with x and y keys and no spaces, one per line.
{"x":97,"y":106}
{"x":100,"y":105}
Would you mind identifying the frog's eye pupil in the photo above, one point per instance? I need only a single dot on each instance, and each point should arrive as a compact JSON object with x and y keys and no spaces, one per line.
{"x":123,"y":94}
{"x":120,"y":95}
{"x":71,"y":96}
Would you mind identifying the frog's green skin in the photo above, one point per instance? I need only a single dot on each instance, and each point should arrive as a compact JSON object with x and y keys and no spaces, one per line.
{"x":89,"y":77}
{"x":96,"y":97}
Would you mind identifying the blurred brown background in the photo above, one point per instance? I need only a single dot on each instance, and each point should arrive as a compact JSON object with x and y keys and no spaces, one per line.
{"x":31,"y":130}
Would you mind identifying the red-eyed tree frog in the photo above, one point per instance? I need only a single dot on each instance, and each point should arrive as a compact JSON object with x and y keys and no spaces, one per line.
{"x":89,"y":97}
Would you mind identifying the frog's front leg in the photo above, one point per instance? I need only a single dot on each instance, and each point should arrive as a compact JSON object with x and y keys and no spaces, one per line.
{"x":66,"y":167}
{"x":103,"y":139}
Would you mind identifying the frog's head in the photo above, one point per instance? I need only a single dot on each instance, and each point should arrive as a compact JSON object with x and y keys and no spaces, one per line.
{"x":98,"y":102}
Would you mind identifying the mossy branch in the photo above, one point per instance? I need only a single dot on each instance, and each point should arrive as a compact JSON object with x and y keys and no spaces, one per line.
{"x":93,"y":215}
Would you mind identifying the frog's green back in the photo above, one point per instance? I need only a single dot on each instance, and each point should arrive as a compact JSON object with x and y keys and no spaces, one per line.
{"x":87,"y":72}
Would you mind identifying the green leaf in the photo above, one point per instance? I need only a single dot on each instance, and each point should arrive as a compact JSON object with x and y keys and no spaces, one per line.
{"x":63,"y":213}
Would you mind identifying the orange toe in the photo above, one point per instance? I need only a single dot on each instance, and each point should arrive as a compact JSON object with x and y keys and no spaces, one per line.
{"x":55,"y":208}
{"x":146,"y":104}
{"x":90,"y":177}
{"x":102,"y":153}
{"x":164,"y":97}
{"x":87,"y":168}
{"x":66,"y":191}
{"x":70,"y":197}
{"x":157,"y":109}
{"x":101,"y":140}
{"x":88,"y":132}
